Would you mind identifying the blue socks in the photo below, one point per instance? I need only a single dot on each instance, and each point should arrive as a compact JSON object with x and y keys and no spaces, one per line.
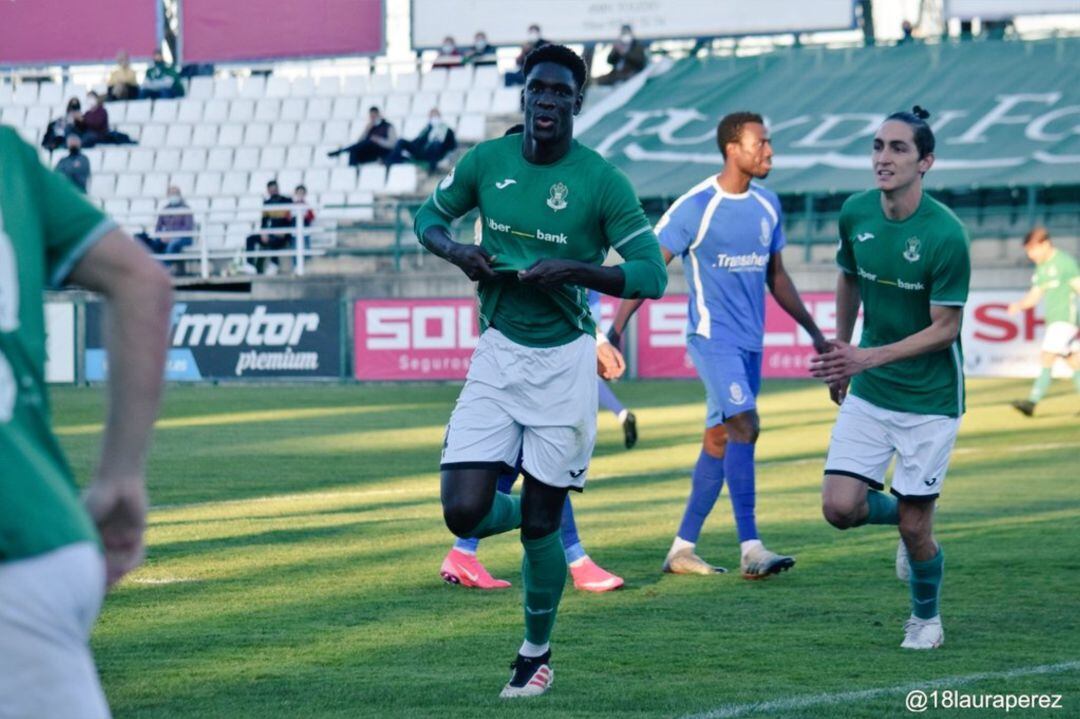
{"x":706,"y":483}
{"x":739,"y":468}
{"x":608,"y":400}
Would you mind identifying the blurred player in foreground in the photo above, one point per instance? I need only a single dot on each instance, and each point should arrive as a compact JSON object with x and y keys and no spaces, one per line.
{"x":57,"y":553}
{"x":1056,"y":280}
{"x":552,"y":209}
{"x":904,"y":256}
{"x":729,"y":233}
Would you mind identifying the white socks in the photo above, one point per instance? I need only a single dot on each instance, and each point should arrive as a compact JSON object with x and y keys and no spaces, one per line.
{"x":528,"y":649}
{"x":623,"y":415}
{"x":679,"y":544}
{"x":749,"y":545}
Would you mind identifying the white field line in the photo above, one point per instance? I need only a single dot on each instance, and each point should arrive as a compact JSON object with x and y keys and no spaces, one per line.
{"x":354,"y":493}
{"x":814,"y":700}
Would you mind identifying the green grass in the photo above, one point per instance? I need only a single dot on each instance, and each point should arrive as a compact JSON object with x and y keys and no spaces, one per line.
{"x":296,"y":539}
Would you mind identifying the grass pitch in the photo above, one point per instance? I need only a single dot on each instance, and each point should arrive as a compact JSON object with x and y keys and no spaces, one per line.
{"x":296,"y":539}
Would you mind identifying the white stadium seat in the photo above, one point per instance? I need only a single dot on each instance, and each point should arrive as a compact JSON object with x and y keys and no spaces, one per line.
{"x":267,"y":110}
{"x":225,"y":205}
{"x":164,"y":111}
{"x":336,"y":133}
{"x":258,"y":180}
{"x":246,"y":158}
{"x":478,"y":101}
{"x":208,"y":184}
{"x":505,"y":101}
{"x":471,"y":128}
{"x":103,"y":184}
{"x":328,"y":86}
{"x":277,"y":87}
{"x":190,"y":111}
{"x":220,"y":159}
{"x":345,"y":108}
{"x":434,"y":80}
{"x":204,"y":136}
{"x":216,"y":111}
{"x":141,"y":160}
{"x":272,"y":159}
{"x":234,"y":183}
{"x":26,"y":94}
{"x":413,"y":125}
{"x":167,"y":160}
{"x":241,"y":110}
{"x":372,"y":177}
{"x":193,"y":159}
{"x":486,"y":78}
{"x":317,"y":180}
{"x":201,"y":88}
{"x":155,"y":184}
{"x":451,"y":102}
{"x":254,"y":87}
{"x":116,"y":160}
{"x":114,"y":208}
{"x":354,"y":85}
{"x":226,"y":88}
{"x":12,"y":115}
{"x":257,"y":134}
{"x":51,"y":94}
{"x":401,"y":180}
{"x":198,"y":204}
{"x":128,"y":185}
{"x":231,"y":135}
{"x":152,"y":135}
{"x":303,"y":87}
{"x":185,"y":181}
{"x":179,"y":136}
{"x":407,"y":83}
{"x":294,"y":109}
{"x":343,"y":179}
{"x":369,"y":101}
{"x":397,"y":105}
{"x":380,"y":83}
{"x":318,"y":108}
{"x":283,"y":133}
{"x":309,"y":133}
{"x":138,"y":111}
{"x":288,"y":180}
{"x":333,"y":198}
{"x":142,"y":210}
{"x":461,"y":78}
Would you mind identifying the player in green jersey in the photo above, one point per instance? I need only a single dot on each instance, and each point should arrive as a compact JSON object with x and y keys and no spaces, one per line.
{"x":54,"y":562}
{"x":904,"y":256}
{"x":1057,"y":281}
{"x":552,"y":210}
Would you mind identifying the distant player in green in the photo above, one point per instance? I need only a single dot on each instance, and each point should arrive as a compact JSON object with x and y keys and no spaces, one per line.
{"x":54,"y":562}
{"x":1057,"y":281}
{"x":904,"y":256}
{"x":552,"y":210}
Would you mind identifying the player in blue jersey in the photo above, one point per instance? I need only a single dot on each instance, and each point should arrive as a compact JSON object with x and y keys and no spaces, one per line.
{"x":729,"y":234}
{"x":608,"y":400}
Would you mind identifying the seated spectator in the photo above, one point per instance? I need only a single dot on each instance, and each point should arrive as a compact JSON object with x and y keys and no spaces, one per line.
{"x":75,"y":166}
{"x":481,"y":53}
{"x":433,"y":143}
{"x":627,"y":58}
{"x":534,"y":41}
{"x":94,"y":126}
{"x":376,"y":143}
{"x":265,"y":241}
{"x":172,"y":220}
{"x":907,"y":38}
{"x":449,"y":55}
{"x":300,"y":198}
{"x":123,"y":85}
{"x":61,"y":127}
{"x":161,"y":81}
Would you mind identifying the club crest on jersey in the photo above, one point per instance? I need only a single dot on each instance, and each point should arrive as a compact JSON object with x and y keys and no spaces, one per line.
{"x":911,"y":249}
{"x":737,"y":395}
{"x":557,"y":199}
{"x":765,"y":232}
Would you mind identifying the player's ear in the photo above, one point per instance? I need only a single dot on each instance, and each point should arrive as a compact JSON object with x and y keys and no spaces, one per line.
{"x":523,"y":99}
{"x":578,"y":102}
{"x":926,"y":163}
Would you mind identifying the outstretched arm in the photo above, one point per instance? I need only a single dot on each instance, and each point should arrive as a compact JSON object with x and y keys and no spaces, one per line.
{"x":1027,"y":301}
{"x":138,"y":296}
{"x":627,"y":308}
{"x":783,"y":290}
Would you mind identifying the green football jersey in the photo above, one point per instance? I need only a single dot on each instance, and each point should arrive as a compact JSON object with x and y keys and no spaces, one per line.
{"x":576,"y":208}
{"x":1055,"y":277}
{"x":903,"y":268}
{"x":45,"y":228}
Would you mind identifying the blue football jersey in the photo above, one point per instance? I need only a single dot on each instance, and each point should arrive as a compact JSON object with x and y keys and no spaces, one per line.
{"x":725,"y":242}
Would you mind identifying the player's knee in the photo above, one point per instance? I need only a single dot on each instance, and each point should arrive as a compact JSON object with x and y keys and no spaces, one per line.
{"x":537,"y":527}
{"x":715,"y":441}
{"x":840,"y":515}
{"x":744,"y":428}
{"x":462,"y":515}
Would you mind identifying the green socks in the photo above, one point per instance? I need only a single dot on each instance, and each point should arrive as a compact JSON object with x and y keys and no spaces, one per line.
{"x":505,"y":515}
{"x":926,"y":585}
{"x":543,"y":571}
{"x":882,"y":508}
{"x":1042,"y":383}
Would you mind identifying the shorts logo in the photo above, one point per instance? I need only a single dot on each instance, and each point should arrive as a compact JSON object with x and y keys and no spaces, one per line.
{"x":448,"y":180}
{"x":578,"y":473}
{"x":765,"y":232}
{"x":911,"y":249}
{"x":930,"y":482}
{"x":557,"y":200}
{"x":737,"y":394}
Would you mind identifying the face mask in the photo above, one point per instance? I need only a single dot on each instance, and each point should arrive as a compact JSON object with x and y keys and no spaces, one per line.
{"x":480,"y":44}
{"x":74,"y":151}
{"x":447,"y":49}
{"x":174,"y":199}
{"x":534,"y":36}
{"x":626,"y":39}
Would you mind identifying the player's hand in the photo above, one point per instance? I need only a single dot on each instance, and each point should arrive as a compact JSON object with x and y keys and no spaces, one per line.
{"x":614,"y":337}
{"x":610,"y":363}
{"x":118,"y":508}
{"x":550,"y":272}
{"x":1014,"y":308}
{"x":838,"y":391}
{"x":842,"y":362}
{"x":474,"y":261}
{"x":821,"y":345}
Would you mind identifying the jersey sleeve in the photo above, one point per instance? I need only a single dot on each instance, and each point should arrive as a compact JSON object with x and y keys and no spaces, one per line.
{"x":628,"y":232}
{"x":845,"y":256}
{"x":70,"y":224}
{"x":779,"y":240}
{"x":455,"y":195}
{"x":950,"y":270}
{"x":677,"y":229}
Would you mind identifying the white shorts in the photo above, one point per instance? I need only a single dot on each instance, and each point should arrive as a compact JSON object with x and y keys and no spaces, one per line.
{"x":1060,"y":339}
{"x":865,"y":438}
{"x":539,"y":402}
{"x":48,"y":605}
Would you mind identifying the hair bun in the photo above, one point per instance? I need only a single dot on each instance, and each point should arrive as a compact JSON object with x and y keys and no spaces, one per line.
{"x":920,"y":112}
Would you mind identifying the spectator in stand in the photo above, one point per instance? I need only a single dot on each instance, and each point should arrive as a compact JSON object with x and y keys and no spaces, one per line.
{"x":61,"y":127}
{"x":449,"y":55}
{"x":627,"y":58}
{"x":94,"y":125}
{"x":123,"y":85}
{"x":434,"y":142}
{"x":300,"y":198}
{"x":376,"y":143}
{"x":264,"y":241}
{"x":481,"y":53}
{"x":534,"y":41}
{"x":174,"y":218}
{"x":75,"y":166}
{"x":161,"y":81}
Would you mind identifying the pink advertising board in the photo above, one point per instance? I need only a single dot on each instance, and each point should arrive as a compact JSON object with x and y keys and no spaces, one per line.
{"x":63,"y":32}
{"x":420,"y":339}
{"x":661,"y":337}
{"x":238,"y":30}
